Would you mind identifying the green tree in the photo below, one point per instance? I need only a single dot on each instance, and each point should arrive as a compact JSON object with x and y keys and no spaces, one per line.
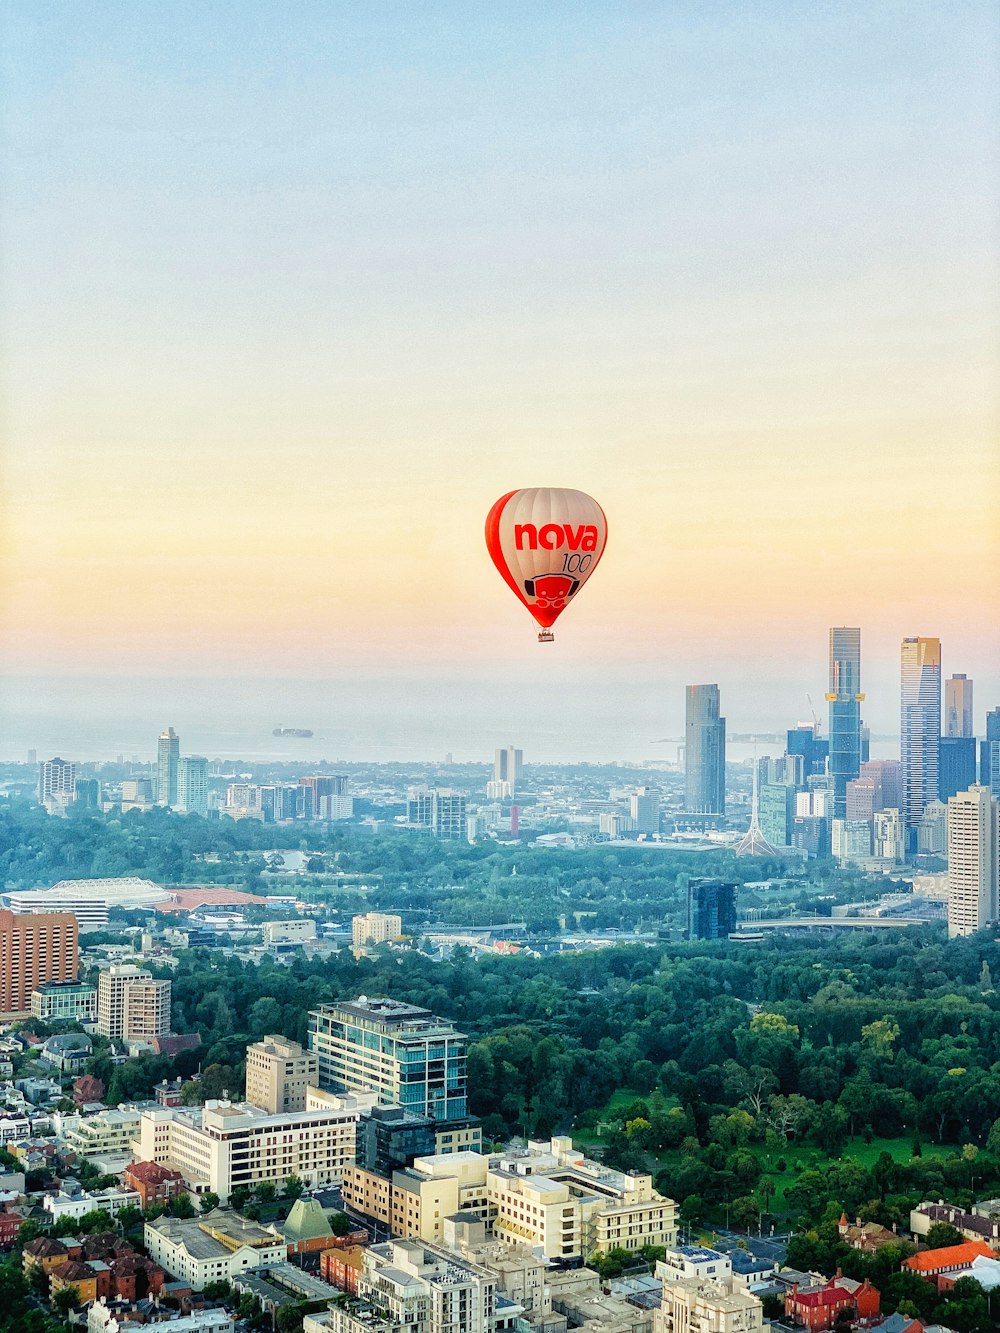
{"x":340,"y":1224}
{"x":208,"y":1201}
{"x":942,"y":1234}
{"x":294,"y":1188}
{"x":181,"y":1206}
{"x":66,"y":1299}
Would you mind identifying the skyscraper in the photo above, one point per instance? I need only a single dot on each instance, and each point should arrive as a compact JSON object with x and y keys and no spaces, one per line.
{"x":804,"y":740}
{"x":705,"y":752}
{"x":844,"y":697}
{"x":644,"y":808}
{"x":168,"y":754}
{"x":989,"y":754}
{"x":956,"y":765}
{"x":192,"y":784}
{"x":973,"y":861}
{"x":958,"y":706}
{"x":919,"y":727}
{"x":507,"y":767}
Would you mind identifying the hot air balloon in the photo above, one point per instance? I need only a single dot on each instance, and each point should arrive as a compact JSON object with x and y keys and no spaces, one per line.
{"x":546,"y":542}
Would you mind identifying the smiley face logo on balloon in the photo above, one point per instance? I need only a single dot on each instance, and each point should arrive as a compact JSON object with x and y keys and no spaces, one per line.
{"x":546,"y":542}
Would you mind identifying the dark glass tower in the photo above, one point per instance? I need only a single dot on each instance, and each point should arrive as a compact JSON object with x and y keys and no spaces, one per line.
{"x":711,"y":909}
{"x":705,"y":752}
{"x":844,"y":697}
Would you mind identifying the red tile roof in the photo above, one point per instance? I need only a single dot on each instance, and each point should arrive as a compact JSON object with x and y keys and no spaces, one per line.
{"x":186,"y":900}
{"x":950,"y":1256}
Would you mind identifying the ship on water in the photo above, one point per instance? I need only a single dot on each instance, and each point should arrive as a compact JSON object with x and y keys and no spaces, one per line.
{"x":292,"y":731}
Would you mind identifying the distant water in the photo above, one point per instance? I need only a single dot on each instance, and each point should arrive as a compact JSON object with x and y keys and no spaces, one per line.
{"x":378,"y":721}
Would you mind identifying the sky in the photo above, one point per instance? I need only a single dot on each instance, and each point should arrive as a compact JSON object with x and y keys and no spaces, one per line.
{"x":291,"y":294}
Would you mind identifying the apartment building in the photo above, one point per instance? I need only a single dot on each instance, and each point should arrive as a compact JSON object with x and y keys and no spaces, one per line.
{"x":375,"y":928}
{"x":106,"y":1134}
{"x":131,"y":1004}
{"x":699,"y":1305}
{"x":279,"y":1072}
{"x":408,"y":1285}
{"x":34,"y":948}
{"x":222,"y":1145}
{"x":64,"y":1001}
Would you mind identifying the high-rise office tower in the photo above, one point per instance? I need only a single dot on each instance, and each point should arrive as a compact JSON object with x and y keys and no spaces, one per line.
{"x":803,"y":739}
{"x":989,"y":754}
{"x":325,"y":796}
{"x":711,"y":909}
{"x":887,"y":775}
{"x":844,"y":697}
{"x":958,"y":706}
{"x":168,"y":756}
{"x":919,"y":727}
{"x":973,"y":861}
{"x":408,"y":1055}
{"x":507,"y":767}
{"x":956,"y":765}
{"x":644,"y":809}
{"x":448,"y":815}
{"x":192,"y":784}
{"x":56,"y":782}
{"x":34,"y":948}
{"x":705,"y":752}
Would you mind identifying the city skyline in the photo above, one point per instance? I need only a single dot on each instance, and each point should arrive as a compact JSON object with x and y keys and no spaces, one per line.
{"x":287,"y":304}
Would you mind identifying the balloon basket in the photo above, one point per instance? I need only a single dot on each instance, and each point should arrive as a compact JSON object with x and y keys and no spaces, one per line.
{"x":546,"y":636}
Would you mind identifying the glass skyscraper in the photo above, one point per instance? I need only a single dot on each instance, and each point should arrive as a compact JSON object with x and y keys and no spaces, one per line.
{"x":168,"y":754}
{"x":844,"y":697}
{"x":704,"y":752}
{"x":919,"y":727}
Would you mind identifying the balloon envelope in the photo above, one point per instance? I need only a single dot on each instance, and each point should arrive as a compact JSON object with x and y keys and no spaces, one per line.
{"x":546,"y":542}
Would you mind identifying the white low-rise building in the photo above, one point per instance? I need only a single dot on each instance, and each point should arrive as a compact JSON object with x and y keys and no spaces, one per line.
{"x":696,"y":1305}
{"x":102,"y":1320}
{"x":214,"y":1248}
{"x":221,"y":1145}
{"x":110,"y":1201}
{"x":107,"y":1133}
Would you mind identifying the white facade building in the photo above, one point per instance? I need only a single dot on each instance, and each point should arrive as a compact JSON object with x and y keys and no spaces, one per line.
{"x":214,"y":1248}
{"x":973,"y":861}
{"x":222,"y":1145}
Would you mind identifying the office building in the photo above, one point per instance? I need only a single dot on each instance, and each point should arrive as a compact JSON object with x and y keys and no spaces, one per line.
{"x":956,"y":765}
{"x":278,"y":802}
{"x":704,"y":752}
{"x":803,"y":741}
{"x":920,"y":727}
{"x":375,"y":928}
{"x":507,"y":767}
{"x":863,"y":798}
{"x":87,"y":794}
{"x":325,"y":796}
{"x":389,"y":1139}
{"x":777,"y":812}
{"x":278,"y":1074}
{"x":887,"y":775}
{"x":850,"y":840}
{"x":420,"y":807}
{"x":711,"y":909}
{"x":408,"y":1055}
{"x":168,"y":757}
{"x":131,"y":1004}
{"x":137,"y":792}
{"x":448,"y":815}
{"x":192,"y":784}
{"x":34,"y":949}
{"x":844,"y":697}
{"x":56,"y":784}
{"x":224,"y":1145}
{"x":888,"y":836}
{"x":958,"y":706}
{"x":644,"y":809}
{"x":64,"y":1002}
{"x":932,"y":831}
{"x":973,"y":861}
{"x":989,"y":754}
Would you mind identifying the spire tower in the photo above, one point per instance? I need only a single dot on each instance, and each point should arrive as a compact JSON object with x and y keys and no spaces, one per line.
{"x":754,"y":843}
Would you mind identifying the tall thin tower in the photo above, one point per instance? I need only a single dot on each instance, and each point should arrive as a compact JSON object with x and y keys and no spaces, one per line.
{"x":919,"y":727}
{"x":168,"y":754}
{"x":754,"y":843}
{"x":844,"y":697}
{"x":958,"y":706}
{"x":704,"y":752}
